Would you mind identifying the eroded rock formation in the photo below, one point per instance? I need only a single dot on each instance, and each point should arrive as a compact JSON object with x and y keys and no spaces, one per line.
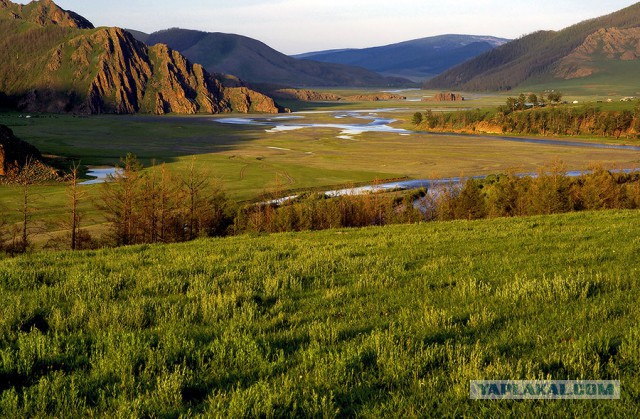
{"x":610,"y":43}
{"x":445,"y":97}
{"x":104,"y":70}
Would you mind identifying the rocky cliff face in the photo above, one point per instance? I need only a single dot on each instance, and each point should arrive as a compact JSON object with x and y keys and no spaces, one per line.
{"x":246,"y":100}
{"x":313,"y":96}
{"x":44,"y":12}
{"x":131,"y":77}
{"x":14,"y":151}
{"x":305,"y":95}
{"x":445,"y":97}
{"x":105,"y":70}
{"x":375,"y":97}
{"x":610,"y":44}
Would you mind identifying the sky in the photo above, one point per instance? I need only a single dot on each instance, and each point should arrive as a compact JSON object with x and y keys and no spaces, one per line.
{"x":297,"y":26}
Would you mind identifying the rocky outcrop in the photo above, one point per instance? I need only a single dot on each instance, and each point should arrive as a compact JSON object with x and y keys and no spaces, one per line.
{"x":375,"y":97}
{"x":13,"y":151}
{"x":245,"y":100}
{"x":44,"y":12}
{"x":313,"y":96}
{"x":610,"y":43}
{"x":445,"y":97}
{"x":107,"y":70}
{"x":305,"y":95}
{"x":131,"y":77}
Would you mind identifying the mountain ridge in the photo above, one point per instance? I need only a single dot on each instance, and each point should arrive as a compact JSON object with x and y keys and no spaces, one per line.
{"x":44,"y":12}
{"x":256,"y":62}
{"x":418,"y":59}
{"x":52,"y":61}
{"x":534,"y":56}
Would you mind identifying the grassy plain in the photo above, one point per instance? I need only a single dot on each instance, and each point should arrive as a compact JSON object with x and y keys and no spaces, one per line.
{"x":251,"y":162}
{"x":374,"y":322}
{"x":614,"y":79}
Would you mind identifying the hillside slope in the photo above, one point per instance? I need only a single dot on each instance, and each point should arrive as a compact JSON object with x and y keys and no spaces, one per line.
{"x":548,"y":55}
{"x":255,"y":62}
{"x":43,"y":12}
{"x":52,"y":61}
{"x":375,"y":322}
{"x":418,"y":59}
{"x":14,"y":151}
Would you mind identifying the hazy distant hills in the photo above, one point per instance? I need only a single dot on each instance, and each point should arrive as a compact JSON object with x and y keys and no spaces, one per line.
{"x":256,"y":62}
{"x":609,"y":45}
{"x":53,"y":60}
{"x":418,"y":59}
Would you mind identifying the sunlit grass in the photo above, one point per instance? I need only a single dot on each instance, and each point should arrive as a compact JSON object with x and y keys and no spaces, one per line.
{"x":376,"y":322}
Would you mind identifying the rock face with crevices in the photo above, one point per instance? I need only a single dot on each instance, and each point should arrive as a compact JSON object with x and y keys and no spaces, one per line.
{"x":605,"y":44}
{"x":43,"y":12}
{"x":52,"y":61}
{"x":445,"y":97}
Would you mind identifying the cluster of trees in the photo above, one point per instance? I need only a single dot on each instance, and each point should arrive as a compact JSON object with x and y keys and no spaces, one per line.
{"x":550,"y":191}
{"x":154,"y":206}
{"x":557,"y":120}
{"x":524,"y":102}
{"x":320,"y":212}
{"x":141,"y":206}
{"x":15,"y":238}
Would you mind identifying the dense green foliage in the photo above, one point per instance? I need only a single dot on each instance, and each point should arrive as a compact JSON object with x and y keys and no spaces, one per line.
{"x":156,"y":206}
{"x":385,"y":321}
{"x":528,"y":57}
{"x":520,"y":117}
{"x":550,"y":191}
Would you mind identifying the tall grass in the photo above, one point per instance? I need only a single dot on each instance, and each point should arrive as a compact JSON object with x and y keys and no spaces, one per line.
{"x":379,"y":321}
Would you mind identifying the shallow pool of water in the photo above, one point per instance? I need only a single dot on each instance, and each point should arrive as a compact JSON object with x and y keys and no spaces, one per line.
{"x":101,"y":175}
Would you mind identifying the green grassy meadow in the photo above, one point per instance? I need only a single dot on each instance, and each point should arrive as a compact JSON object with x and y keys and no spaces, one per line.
{"x":251,"y":162}
{"x":390,"y":321}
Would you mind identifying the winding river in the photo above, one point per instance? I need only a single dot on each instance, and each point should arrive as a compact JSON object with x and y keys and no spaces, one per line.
{"x":372,"y":122}
{"x":379,"y":124}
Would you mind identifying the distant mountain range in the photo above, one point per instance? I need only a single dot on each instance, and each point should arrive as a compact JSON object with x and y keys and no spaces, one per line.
{"x":607,"y":45}
{"x":417,"y":60}
{"x":256,"y":62}
{"x":53,"y":60}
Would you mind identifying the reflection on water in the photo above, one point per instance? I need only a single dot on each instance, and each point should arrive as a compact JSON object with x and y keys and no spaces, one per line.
{"x":378,"y":124}
{"x":101,"y":175}
{"x":280,"y":124}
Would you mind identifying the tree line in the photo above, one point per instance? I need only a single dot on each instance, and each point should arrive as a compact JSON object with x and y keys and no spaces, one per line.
{"x":550,"y":191}
{"x":156,"y":206}
{"x":525,"y":115}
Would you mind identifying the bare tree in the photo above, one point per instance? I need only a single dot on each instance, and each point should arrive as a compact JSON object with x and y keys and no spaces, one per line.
{"x":120,"y":200}
{"x":205,"y":204}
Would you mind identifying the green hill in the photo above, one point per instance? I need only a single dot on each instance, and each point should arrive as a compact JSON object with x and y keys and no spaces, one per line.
{"x":578,"y":52}
{"x":53,"y":61}
{"x":373,"y":322}
{"x":256,"y":62}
